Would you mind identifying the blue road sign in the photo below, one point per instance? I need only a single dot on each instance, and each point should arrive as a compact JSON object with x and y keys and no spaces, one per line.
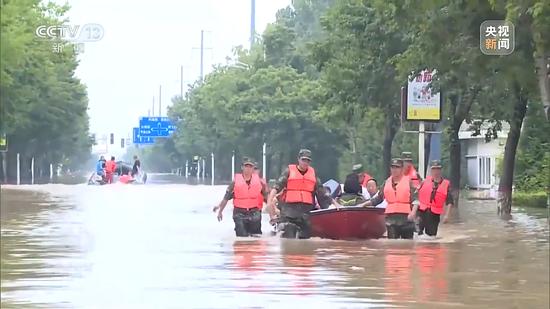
{"x":156,"y":127}
{"x":139,"y":139}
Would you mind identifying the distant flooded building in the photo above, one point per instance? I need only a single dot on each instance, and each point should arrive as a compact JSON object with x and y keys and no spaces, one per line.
{"x":479,"y":157}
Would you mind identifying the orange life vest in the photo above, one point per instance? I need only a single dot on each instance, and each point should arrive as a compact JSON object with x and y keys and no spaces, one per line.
{"x":245,"y":195}
{"x":300,"y":188}
{"x":110,"y":167}
{"x":366,"y":179}
{"x":413,"y":176}
{"x":425,"y":193}
{"x":399,"y":200}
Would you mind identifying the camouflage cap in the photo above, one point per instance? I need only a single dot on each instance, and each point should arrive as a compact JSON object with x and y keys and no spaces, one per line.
{"x":304,"y":154}
{"x":406,"y":156}
{"x":248,"y":161}
{"x":397,"y":162}
{"x":357,"y":168}
{"x":435,"y":164}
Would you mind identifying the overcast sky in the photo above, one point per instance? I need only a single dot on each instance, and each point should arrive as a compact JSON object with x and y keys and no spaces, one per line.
{"x":146,"y":43}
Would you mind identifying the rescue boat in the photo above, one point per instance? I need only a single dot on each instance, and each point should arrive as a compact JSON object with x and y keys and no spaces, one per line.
{"x":121,"y":168}
{"x":348,"y":223}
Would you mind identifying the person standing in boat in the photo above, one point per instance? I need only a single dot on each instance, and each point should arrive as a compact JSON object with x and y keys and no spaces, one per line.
{"x":409,"y":170}
{"x":434,"y":195}
{"x":301,"y":187}
{"x":137,"y":166}
{"x":399,"y":192}
{"x":372,"y":191}
{"x":245,"y":190}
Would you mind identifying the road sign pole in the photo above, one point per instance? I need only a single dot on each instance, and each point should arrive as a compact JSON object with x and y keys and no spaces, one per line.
{"x":198,"y":169}
{"x":18,"y":169}
{"x":4,"y":167}
{"x":212,"y":168}
{"x":32,"y":171}
{"x":233,"y":165}
{"x":186,"y":169}
{"x":421,"y":132}
{"x":264,"y":167}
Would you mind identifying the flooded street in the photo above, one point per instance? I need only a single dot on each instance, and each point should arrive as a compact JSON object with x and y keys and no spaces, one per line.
{"x":160,"y":246}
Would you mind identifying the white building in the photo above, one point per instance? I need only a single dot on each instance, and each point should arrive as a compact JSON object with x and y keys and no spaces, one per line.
{"x":479,"y":158}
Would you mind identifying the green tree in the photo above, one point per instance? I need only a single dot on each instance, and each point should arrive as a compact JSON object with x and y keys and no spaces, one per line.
{"x":43,"y":104}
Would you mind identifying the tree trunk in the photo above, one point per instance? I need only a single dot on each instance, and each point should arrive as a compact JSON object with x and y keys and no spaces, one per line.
{"x":506,"y":181}
{"x":455,"y":151}
{"x":460,"y":108}
{"x":542,"y":62}
{"x":389,"y":134}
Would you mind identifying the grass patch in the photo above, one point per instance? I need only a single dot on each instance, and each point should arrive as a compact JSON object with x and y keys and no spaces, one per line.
{"x":529,"y":199}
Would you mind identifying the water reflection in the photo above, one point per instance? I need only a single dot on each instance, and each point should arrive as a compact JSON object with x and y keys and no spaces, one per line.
{"x":299,"y":261}
{"x":431,"y":260}
{"x":250,"y":260}
{"x":160,"y":246}
{"x":398,"y":277}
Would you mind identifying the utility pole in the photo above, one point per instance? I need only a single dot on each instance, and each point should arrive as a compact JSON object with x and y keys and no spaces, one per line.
{"x":202,"y":48}
{"x":202,"y":55}
{"x":252,"y":22}
{"x":181,"y":82}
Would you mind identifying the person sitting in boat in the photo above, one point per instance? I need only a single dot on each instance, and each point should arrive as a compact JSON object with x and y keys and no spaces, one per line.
{"x":372,"y":192}
{"x":352,"y":192}
{"x":126,"y":179}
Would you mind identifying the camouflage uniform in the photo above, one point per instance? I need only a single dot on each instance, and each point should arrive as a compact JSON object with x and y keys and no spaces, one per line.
{"x":428,"y":221}
{"x":294,"y":219}
{"x":398,"y":225}
{"x":247,"y":221}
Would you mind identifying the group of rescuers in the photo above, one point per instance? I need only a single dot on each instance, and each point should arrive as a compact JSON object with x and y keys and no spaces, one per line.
{"x":410,"y":202}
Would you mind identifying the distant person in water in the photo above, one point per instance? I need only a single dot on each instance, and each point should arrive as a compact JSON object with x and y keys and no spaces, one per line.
{"x":137,"y":166}
{"x":110,"y":167}
{"x":100,"y":167}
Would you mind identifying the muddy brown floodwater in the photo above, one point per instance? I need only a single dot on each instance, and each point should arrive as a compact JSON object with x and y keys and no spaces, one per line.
{"x":160,"y":246}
